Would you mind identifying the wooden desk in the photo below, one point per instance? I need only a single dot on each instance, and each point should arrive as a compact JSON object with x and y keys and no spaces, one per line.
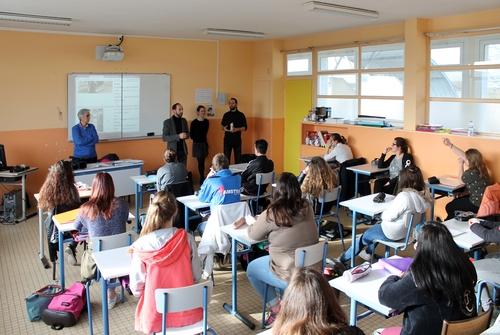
{"x":14,"y":176}
{"x":365,"y":291}
{"x":366,"y":206}
{"x":366,"y":170}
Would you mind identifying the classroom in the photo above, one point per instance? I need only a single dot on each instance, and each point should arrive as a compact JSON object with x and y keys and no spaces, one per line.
{"x":427,"y":72}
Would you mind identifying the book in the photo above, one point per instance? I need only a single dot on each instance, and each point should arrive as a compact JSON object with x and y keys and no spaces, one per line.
{"x":450,"y":181}
{"x":396,"y":265}
{"x":67,"y":217}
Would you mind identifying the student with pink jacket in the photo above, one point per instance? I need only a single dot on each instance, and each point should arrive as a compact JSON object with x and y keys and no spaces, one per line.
{"x":163,"y":257}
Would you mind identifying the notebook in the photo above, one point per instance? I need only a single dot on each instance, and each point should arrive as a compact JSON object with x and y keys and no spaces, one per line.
{"x":396,"y":265}
{"x":450,"y":181}
{"x":67,"y":217}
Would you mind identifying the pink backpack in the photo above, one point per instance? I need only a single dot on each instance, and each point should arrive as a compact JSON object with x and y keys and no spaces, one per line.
{"x":64,"y":310}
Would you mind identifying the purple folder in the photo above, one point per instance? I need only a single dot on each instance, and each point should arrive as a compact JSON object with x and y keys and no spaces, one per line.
{"x":396,"y":265}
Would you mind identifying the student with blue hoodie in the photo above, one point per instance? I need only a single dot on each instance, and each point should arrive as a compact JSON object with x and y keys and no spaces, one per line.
{"x":221,"y":186}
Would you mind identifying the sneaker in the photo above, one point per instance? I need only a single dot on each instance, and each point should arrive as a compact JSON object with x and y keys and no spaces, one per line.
{"x":364,"y":255}
{"x":205,"y":275}
{"x":70,"y":255}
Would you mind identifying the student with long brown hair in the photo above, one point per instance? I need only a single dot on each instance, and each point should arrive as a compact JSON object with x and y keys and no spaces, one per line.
{"x":310,"y":307}
{"x":163,"y":257}
{"x":473,"y":172}
{"x":319,"y":177}
{"x":57,"y":195}
{"x":288,"y":224}
{"x":337,"y":150}
{"x":102,"y":215}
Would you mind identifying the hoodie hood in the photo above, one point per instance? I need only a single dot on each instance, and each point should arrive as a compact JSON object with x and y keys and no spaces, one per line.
{"x":420,"y":201}
{"x":168,"y":253}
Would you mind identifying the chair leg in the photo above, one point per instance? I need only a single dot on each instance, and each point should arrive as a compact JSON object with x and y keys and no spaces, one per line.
{"x":339,"y":226}
{"x":387,"y":252}
{"x":89,"y":307}
{"x":263,"y":324}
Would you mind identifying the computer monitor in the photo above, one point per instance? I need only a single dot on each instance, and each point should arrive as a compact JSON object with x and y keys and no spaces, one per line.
{"x":3,"y":160}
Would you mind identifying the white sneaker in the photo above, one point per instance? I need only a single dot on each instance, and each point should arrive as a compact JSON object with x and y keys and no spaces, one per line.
{"x":364,"y":255}
{"x":112,"y":301}
{"x":205,"y":275}
{"x":70,"y":255}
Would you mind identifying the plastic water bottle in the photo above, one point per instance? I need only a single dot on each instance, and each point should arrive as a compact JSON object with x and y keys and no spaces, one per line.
{"x":470,"y":129}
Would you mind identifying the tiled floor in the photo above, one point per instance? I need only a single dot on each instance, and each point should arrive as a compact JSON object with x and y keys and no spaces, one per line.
{"x":22,"y":272}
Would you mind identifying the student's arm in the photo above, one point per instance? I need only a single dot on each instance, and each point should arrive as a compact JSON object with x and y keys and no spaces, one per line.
{"x":382,"y":163}
{"x":137,"y":275}
{"x":206,"y":192}
{"x":261,"y":228}
{"x":195,"y":259}
{"x":487,"y":230}
{"x":400,"y":293}
{"x":79,"y":224}
{"x":456,"y":150}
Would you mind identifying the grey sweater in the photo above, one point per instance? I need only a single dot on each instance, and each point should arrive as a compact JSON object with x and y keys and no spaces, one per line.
{"x":102,"y":227}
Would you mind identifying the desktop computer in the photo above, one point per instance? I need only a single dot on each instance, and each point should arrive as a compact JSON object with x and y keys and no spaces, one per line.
{"x":12,"y":206}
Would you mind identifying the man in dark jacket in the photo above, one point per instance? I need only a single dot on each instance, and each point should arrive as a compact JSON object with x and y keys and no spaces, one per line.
{"x":261,"y":164}
{"x":175,"y":133}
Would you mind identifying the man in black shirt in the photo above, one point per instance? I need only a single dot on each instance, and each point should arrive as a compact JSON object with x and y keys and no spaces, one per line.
{"x":233,"y":123}
{"x":261,"y":164}
{"x":175,"y":132}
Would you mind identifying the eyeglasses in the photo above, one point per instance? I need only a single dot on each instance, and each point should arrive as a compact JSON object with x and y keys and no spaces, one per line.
{"x":394,"y":144}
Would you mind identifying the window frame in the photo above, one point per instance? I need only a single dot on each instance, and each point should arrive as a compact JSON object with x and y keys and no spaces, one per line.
{"x":296,"y":56}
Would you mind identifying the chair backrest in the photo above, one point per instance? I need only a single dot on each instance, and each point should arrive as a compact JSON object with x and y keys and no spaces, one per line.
{"x":111,"y":242}
{"x":181,"y":189}
{"x":171,"y":300}
{"x":230,"y":212}
{"x":331,"y":196}
{"x":472,"y":326}
{"x":263,"y":179}
{"x":310,"y":255}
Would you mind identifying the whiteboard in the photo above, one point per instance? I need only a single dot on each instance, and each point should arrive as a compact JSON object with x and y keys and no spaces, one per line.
{"x":122,"y":105}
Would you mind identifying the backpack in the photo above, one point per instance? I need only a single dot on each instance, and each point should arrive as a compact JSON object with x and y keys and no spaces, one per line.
{"x":64,"y":310}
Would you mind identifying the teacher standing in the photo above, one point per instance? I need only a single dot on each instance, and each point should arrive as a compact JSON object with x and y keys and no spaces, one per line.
{"x":233,"y":123}
{"x":84,"y":138}
{"x":198,"y":133}
{"x":175,"y":132}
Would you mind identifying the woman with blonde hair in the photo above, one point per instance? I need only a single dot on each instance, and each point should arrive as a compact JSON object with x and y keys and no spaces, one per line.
{"x":163,"y":257}
{"x":57,"y":195}
{"x":308,"y":291}
{"x":473,"y":172}
{"x":318,"y":177}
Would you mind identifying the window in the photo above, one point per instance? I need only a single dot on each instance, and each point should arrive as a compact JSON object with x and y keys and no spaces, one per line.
{"x":464,"y":82}
{"x":299,"y":64}
{"x":367,"y":80}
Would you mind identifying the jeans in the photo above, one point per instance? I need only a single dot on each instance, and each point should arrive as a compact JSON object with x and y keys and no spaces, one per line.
{"x":374,"y":233}
{"x":259,"y":274}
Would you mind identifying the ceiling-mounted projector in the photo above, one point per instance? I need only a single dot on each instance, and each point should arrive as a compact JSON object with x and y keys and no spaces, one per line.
{"x":111,"y":52}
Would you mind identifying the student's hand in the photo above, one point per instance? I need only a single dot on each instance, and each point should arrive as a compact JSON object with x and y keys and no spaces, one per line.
{"x":306,"y":170}
{"x":210,"y":173}
{"x":447,"y":142}
{"x":387,"y":150}
{"x":474,"y":221}
{"x":239,"y":223}
{"x":183,"y":136}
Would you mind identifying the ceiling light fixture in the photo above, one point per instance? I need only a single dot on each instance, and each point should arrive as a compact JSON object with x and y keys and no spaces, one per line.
{"x":31,"y":18}
{"x":318,"y":6}
{"x":231,"y":32}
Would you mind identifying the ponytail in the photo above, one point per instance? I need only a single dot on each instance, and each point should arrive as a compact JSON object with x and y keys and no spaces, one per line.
{"x":160,"y":213}
{"x":339,"y":138}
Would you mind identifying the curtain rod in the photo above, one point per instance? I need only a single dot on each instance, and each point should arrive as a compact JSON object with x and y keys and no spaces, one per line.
{"x":463,"y":32}
{"x":344,"y":45}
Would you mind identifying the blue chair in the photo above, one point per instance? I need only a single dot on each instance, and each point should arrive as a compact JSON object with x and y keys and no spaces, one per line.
{"x":100,"y":244}
{"x":403,"y":243}
{"x":261,"y":179}
{"x":483,"y":284}
{"x":325,"y":198}
{"x":305,"y":256}
{"x":171,"y":300}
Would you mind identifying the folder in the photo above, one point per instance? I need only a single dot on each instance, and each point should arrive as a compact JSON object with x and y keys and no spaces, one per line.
{"x":67,"y":217}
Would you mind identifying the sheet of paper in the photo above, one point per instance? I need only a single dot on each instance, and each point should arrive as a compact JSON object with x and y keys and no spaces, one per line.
{"x":203,"y":95}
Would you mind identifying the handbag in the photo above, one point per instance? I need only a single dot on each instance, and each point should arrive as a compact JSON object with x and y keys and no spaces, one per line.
{"x":38,"y":301}
{"x":88,"y":267}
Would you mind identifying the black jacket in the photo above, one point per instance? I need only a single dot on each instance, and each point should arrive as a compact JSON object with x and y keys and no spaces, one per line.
{"x":422,"y":314}
{"x":261,"y":164}
{"x":407,"y":160}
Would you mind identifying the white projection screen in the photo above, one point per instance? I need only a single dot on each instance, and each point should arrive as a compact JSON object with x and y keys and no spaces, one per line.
{"x":122,"y":105}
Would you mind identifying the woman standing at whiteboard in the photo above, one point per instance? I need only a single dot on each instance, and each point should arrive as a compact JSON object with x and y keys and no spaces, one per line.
{"x":198,"y":132}
{"x":84,"y":137}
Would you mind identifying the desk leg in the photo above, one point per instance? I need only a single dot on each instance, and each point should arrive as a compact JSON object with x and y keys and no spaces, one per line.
{"x":186,"y":218}
{"x":104,"y":299}
{"x":352,"y":314}
{"x":233,"y":309}
{"x":353,"y":247}
{"x":61,"y":259}
{"x":41,"y":252}
{"x":433,"y":191}
{"x":356,"y":176}
{"x":137,"y":195}
{"x":23,"y":197}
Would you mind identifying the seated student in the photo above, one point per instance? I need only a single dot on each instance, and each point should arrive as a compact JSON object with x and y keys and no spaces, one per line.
{"x":162,"y":257}
{"x":288,"y":224}
{"x":101,"y":215}
{"x":58,"y":195}
{"x":221,"y":186}
{"x":261,"y":164}
{"x":400,"y":159}
{"x":488,"y":228}
{"x":411,"y":198}
{"x":337,"y":150}
{"x":439,"y":285}
{"x":475,"y":177}
{"x":171,"y":173}
{"x":309,"y":291}
{"x":318,"y":177}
